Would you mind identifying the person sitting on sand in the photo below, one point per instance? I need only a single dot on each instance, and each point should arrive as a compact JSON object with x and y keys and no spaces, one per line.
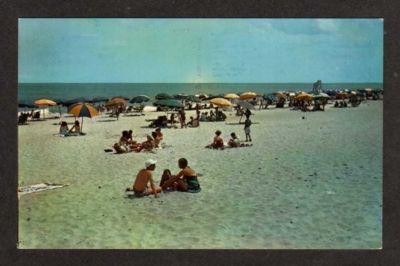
{"x":144,"y":184}
{"x":165,"y":177}
{"x":193,"y":122}
{"x":336,"y":104}
{"x":159,"y":134}
{"x":218,"y":142}
{"x":64,"y":128}
{"x":156,"y":140}
{"x":129,"y":138}
{"x":186,"y":180}
{"x":212,"y":116}
{"x":76,"y":129}
{"x":203,"y":116}
{"x":234,"y":141}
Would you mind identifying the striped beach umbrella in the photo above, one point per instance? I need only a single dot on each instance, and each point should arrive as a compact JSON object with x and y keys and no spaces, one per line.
{"x":304,"y":96}
{"x":83,"y":110}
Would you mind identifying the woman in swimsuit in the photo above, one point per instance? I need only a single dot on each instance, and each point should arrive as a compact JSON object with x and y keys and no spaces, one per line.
{"x":76,"y":129}
{"x":218,"y":142}
{"x":64,"y":128}
{"x":186,"y":180}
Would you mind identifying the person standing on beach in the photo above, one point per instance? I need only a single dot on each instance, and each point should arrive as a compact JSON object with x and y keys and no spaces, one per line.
{"x":182,"y":118}
{"x":144,"y":184}
{"x":247,"y":125}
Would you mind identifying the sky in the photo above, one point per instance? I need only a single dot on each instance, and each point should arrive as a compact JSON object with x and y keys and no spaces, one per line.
{"x":200,"y":50}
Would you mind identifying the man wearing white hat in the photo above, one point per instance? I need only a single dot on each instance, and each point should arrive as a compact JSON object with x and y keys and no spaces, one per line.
{"x":144,"y":184}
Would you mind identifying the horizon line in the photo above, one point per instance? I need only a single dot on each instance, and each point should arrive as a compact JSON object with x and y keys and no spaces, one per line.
{"x":336,"y":82}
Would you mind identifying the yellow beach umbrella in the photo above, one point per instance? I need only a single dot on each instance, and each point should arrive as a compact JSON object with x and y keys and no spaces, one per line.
{"x":304,"y":96}
{"x":248,"y":95}
{"x":221,"y":102}
{"x":83,"y":110}
{"x":231,"y":96}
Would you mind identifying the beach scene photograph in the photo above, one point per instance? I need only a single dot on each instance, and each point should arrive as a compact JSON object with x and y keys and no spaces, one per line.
{"x":200,"y":133}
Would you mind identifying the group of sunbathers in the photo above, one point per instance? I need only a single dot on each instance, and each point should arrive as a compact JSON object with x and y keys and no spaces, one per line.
{"x":217,"y":116}
{"x":218,"y":142}
{"x":185,"y":181}
{"x":75,"y":130}
{"x":128,"y":144}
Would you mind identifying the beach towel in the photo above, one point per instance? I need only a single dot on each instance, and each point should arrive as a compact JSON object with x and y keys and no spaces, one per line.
{"x":38,"y":188}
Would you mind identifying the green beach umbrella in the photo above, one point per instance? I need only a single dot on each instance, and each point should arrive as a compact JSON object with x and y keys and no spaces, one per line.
{"x":163,"y":96}
{"x":169,"y":103}
{"x":140,"y":99}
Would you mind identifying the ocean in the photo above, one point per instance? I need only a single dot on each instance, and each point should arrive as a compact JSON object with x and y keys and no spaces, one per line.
{"x":66,"y":91}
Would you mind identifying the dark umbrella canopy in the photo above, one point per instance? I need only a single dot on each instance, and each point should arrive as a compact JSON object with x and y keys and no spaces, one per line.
{"x":76,"y":100}
{"x":163,"y":96}
{"x":181,"y":96}
{"x":210,"y":97}
{"x":139,"y":99}
{"x":169,"y":103}
{"x":26,"y":104}
{"x":99,"y":99}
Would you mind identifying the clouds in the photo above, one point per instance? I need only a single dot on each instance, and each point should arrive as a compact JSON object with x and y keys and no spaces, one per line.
{"x":207,"y":50}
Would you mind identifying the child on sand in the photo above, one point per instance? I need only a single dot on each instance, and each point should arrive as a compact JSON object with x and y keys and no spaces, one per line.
{"x":218,"y":142}
{"x":165,"y":177}
{"x":64,"y":128}
{"x":186,"y":180}
{"x":234,"y":141}
{"x":76,"y":129}
{"x":247,"y":125}
{"x":144,"y":184}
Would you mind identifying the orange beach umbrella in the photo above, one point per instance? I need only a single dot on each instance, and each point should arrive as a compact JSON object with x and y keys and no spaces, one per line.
{"x":44,"y":102}
{"x":304,"y":96}
{"x":248,"y":95}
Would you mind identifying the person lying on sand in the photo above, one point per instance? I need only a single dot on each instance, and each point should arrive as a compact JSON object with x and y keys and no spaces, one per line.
{"x":147,"y":145}
{"x":218,"y":142}
{"x":185,"y":181}
{"x":144,"y":184}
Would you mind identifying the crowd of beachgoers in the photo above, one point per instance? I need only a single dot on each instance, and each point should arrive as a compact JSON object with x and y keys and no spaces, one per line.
{"x":208,"y":108}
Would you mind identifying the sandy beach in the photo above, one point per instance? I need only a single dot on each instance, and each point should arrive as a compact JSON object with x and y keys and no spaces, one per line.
{"x":305,"y":183}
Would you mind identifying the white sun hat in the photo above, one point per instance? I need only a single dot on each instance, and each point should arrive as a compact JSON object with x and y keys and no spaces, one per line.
{"x":150,"y":162}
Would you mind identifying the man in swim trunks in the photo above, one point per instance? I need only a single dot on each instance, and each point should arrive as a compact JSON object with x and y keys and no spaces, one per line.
{"x":144,"y":184}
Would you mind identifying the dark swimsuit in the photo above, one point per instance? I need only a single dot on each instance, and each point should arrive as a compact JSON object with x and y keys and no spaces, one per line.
{"x":192,"y":184}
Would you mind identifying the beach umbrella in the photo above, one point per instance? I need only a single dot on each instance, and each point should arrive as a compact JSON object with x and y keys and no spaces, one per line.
{"x":162,"y":96}
{"x":202,"y":96}
{"x":169,"y":103}
{"x":83,"y":110}
{"x":231,"y":96}
{"x":119,"y":97}
{"x":75,"y":100}
{"x":304,"y":96}
{"x":280,"y":94}
{"x":221,"y":102}
{"x":320,"y":96}
{"x":99,"y":99}
{"x":248,"y":95}
{"x":139,"y":99}
{"x":245,"y":105}
{"x":44,"y":102}
{"x":26,"y":104}
{"x":116,"y":102}
{"x":341,"y":95}
{"x":181,"y":96}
